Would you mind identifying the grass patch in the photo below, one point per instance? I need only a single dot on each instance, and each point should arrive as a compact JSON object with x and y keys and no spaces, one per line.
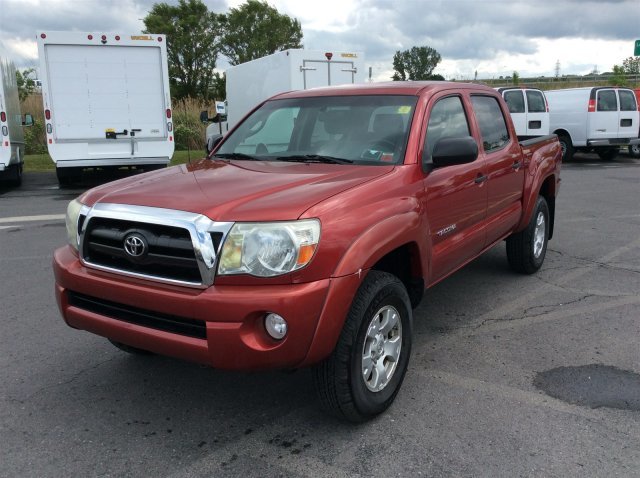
{"x":43,"y":162}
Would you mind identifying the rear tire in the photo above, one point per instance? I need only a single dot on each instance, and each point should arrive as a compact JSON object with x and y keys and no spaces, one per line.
{"x":567,"y":147}
{"x":129,"y":349}
{"x":607,"y":154}
{"x":634,"y":150}
{"x":15,"y":176}
{"x":67,"y":176}
{"x":526,"y":249}
{"x":363,"y":375}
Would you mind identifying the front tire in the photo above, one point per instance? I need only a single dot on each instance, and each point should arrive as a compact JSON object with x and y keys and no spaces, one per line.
{"x":363,"y":375}
{"x":526,"y":249}
{"x":634,"y":150}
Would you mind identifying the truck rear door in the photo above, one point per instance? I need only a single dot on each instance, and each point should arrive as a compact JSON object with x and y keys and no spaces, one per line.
{"x":517,"y":109}
{"x":537,"y":114}
{"x":318,"y":73}
{"x":628,"y":125}
{"x":603,"y":122}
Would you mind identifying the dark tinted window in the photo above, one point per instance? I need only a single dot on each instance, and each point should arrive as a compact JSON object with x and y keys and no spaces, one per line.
{"x":447,"y":120}
{"x":493,"y":127}
{"x":515,"y":101}
{"x":627,"y":100}
{"x":535,"y":102}
{"x":607,"y":101}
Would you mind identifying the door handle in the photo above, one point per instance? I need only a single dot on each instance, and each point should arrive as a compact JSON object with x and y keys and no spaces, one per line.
{"x":516,"y":165}
{"x":480,"y":178}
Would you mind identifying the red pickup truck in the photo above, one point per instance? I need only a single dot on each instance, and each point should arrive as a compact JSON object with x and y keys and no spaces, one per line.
{"x":310,"y":233}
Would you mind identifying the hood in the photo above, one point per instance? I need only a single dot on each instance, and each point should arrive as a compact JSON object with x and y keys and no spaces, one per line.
{"x":237,"y":190}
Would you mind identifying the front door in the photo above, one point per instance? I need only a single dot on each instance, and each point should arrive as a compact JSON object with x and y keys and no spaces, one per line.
{"x":456,"y":196}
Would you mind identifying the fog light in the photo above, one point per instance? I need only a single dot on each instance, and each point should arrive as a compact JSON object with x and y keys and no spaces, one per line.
{"x":276,"y":326}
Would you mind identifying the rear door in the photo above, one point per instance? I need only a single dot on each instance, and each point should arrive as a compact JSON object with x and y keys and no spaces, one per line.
{"x":603,"y":122}
{"x":502,"y":156}
{"x":515,"y":101}
{"x":537,"y":114}
{"x":628,"y":126}
{"x":96,"y":89}
{"x":317,"y":73}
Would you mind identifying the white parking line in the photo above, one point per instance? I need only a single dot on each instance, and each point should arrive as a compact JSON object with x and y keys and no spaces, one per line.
{"x":43,"y":217}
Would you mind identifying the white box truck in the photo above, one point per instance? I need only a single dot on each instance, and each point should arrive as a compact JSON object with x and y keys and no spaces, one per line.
{"x":594,"y":118}
{"x":250,"y":83}
{"x":12,"y":146}
{"x":529,"y":111}
{"x":106,"y":100}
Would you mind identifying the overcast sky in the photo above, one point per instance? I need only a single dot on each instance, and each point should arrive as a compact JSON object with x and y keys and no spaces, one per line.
{"x":492,"y":37}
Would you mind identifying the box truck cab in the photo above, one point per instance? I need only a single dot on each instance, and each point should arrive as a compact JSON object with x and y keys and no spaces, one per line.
{"x":250,"y":83}
{"x":594,"y":118}
{"x":529,"y":111}
{"x":12,"y":144}
{"x":106,"y":100}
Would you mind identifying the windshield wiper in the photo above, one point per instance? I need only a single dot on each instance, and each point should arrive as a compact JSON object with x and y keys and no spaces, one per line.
{"x":236,"y":156}
{"x":314,"y":158}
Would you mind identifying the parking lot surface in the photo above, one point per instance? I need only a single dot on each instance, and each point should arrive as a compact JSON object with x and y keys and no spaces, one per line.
{"x":510,"y":375}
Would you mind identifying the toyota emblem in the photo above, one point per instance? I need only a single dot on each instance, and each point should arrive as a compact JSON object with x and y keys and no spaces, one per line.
{"x":135,"y":245}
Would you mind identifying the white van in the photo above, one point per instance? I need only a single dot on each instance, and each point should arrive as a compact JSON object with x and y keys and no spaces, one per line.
{"x":12,"y":144}
{"x":594,"y":118}
{"x":106,"y":100}
{"x":529,"y":111}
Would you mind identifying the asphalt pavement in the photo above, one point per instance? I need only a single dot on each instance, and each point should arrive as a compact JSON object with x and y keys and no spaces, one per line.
{"x":510,"y":375}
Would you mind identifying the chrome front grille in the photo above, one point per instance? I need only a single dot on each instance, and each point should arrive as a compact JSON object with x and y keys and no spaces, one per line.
{"x":164,"y":245}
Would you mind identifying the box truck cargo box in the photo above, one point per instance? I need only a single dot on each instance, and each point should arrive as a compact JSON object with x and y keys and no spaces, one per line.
{"x":106,"y":100}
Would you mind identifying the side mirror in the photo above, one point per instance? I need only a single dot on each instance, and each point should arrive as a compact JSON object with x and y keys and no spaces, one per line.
{"x":204,"y":116}
{"x":28,"y":120}
{"x":450,"y":151}
{"x":213,"y":141}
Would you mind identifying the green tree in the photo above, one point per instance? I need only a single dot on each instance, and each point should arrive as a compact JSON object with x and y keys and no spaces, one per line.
{"x":255,"y":29}
{"x":515,"y":79}
{"x":193,"y":34}
{"x":631,"y":65}
{"x":26,"y":84}
{"x":618,"y":78}
{"x":417,"y":63}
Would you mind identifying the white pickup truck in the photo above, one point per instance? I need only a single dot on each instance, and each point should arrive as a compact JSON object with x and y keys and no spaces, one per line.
{"x":594,"y":118}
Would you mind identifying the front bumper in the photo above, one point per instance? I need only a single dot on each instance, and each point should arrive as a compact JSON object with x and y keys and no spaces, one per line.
{"x":233,"y":316}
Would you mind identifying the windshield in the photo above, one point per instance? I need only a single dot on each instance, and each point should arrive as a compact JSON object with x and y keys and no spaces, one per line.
{"x":336,"y":129}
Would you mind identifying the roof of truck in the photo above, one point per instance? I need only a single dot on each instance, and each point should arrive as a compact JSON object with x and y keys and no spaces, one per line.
{"x":414,"y":88}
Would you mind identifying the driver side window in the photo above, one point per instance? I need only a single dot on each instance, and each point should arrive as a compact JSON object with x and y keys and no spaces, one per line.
{"x":447,"y":120}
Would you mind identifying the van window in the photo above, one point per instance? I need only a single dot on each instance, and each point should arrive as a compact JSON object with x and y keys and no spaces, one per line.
{"x":627,"y":100}
{"x":493,"y":127}
{"x":515,"y":101}
{"x":607,"y":101}
{"x":535,"y":102}
{"x":447,"y":120}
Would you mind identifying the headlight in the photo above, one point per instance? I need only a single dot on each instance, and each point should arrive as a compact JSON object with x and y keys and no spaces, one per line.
{"x":73,"y":212}
{"x":269,"y":249}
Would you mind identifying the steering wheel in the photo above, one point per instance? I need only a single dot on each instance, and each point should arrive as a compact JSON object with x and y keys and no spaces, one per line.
{"x":383,"y":145}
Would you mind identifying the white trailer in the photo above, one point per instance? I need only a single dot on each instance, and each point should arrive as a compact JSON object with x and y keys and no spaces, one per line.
{"x":106,"y":100}
{"x":594,"y":118}
{"x":12,"y":144}
{"x":529,"y":111}
{"x":250,"y":83}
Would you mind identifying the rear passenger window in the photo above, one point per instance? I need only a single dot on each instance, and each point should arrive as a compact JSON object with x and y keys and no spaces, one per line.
{"x":627,"y":101}
{"x":607,"y":101}
{"x":515,"y":101}
{"x":493,"y":127}
{"x":535,"y":102}
{"x":447,"y":120}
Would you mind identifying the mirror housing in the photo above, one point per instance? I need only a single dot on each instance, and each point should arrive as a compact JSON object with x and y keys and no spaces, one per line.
{"x":204,"y":116}
{"x":213,"y":141}
{"x":451,"y":151}
{"x":28,"y":120}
